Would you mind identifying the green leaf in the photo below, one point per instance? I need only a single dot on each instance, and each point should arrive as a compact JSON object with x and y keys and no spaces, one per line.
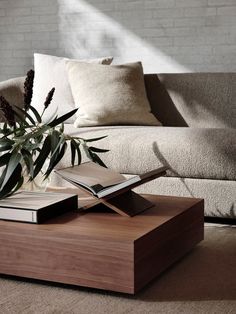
{"x":5,"y":144}
{"x":73,"y":150}
{"x":61,"y":119}
{"x":60,"y":142}
{"x":97,"y":159}
{"x":37,"y":115}
{"x":4,"y":159}
{"x":95,"y":139}
{"x":24,"y":113}
{"x":4,"y":129}
{"x":98,"y":150}
{"x":3,"y":148}
{"x":79,"y":155}
{"x":56,"y":160}
{"x":32,"y":146}
{"x":22,"y":129}
{"x":20,"y":117}
{"x":44,"y":153}
{"x":37,"y":133}
{"x":52,"y":162}
{"x":3,"y":175}
{"x":62,"y":128}
{"x":6,"y":141}
{"x":19,"y":184}
{"x":77,"y":148}
{"x":55,"y":149}
{"x":55,"y":138}
{"x":61,"y":153}
{"x":13,"y":183}
{"x":14,"y":161}
{"x":28,"y":161}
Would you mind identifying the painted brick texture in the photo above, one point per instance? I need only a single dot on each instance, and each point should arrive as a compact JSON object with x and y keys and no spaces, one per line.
{"x":166,"y":35}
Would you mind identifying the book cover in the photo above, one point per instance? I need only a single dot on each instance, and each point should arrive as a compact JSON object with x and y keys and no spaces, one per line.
{"x":36,"y":207}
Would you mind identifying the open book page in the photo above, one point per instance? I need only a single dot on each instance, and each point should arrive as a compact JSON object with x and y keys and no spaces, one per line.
{"x":102,"y":181}
{"x":32,"y":200}
{"x":117,"y":187}
{"x":150,"y":175}
{"x":91,"y":174}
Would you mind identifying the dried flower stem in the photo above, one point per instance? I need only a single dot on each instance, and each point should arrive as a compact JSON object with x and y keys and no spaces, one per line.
{"x":7,"y":111}
{"x":28,"y":88}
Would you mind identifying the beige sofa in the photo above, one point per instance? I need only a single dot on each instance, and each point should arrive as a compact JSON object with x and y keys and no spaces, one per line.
{"x":197,"y":140}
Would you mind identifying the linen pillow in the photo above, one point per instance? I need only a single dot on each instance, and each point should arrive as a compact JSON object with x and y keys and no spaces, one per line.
{"x":109,"y":95}
{"x":50,"y":71}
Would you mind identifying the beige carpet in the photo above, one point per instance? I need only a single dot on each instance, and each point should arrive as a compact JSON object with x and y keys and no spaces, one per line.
{"x":204,"y":281}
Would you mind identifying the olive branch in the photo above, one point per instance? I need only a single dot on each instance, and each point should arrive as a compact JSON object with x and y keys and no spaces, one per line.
{"x":26,"y":142}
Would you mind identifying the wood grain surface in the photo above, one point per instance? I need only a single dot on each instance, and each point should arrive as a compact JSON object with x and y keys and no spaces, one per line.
{"x":101,"y":249}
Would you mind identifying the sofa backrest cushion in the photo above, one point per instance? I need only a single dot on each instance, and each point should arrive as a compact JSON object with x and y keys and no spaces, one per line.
{"x":109,"y":94}
{"x":200,"y":100}
{"x":180,"y":99}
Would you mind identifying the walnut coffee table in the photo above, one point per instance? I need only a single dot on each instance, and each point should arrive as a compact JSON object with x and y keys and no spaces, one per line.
{"x":102,"y":249}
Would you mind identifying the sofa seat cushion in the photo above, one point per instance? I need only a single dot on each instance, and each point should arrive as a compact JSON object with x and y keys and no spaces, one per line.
{"x":189,"y":152}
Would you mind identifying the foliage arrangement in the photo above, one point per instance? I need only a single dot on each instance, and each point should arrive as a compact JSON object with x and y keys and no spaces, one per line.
{"x":26,"y":142}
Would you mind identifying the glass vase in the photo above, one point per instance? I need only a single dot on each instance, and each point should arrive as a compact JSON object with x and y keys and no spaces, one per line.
{"x":39,"y":184}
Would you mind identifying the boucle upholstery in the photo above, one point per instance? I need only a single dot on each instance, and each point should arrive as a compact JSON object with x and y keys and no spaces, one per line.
{"x":109,"y":94}
{"x":219,"y":195}
{"x":189,"y":152}
{"x":198,"y":100}
{"x":12,"y":90}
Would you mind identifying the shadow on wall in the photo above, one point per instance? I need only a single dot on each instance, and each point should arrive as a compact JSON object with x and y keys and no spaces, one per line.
{"x":162,"y":105}
{"x":196,"y":100}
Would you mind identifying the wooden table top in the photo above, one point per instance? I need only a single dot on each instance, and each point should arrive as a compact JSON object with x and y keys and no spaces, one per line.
{"x":105,"y":224}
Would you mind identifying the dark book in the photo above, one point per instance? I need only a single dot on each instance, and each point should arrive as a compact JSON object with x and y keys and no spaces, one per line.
{"x":36,"y":207}
{"x":101,"y":181}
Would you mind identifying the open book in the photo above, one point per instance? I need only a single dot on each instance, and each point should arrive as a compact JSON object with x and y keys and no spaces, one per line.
{"x":102,"y":181}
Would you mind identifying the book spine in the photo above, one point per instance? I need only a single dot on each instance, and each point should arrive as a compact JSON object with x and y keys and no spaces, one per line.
{"x":39,"y":216}
{"x":18,"y":215}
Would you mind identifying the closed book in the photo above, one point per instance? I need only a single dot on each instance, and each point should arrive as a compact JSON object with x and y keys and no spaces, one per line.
{"x":36,"y":207}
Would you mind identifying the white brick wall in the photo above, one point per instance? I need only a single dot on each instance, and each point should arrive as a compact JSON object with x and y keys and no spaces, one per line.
{"x":166,"y":35}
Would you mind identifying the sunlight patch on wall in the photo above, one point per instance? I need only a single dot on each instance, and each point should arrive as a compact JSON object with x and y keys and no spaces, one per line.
{"x":86,"y":32}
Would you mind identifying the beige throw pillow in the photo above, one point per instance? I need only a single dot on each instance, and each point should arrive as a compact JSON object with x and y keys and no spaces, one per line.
{"x":50,"y":71}
{"x":109,"y":95}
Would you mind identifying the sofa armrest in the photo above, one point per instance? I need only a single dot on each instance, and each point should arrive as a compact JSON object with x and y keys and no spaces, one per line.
{"x":13,"y":90}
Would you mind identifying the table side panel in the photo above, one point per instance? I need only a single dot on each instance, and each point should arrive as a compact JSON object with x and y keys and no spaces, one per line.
{"x":58,"y":257}
{"x":157,"y":250}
